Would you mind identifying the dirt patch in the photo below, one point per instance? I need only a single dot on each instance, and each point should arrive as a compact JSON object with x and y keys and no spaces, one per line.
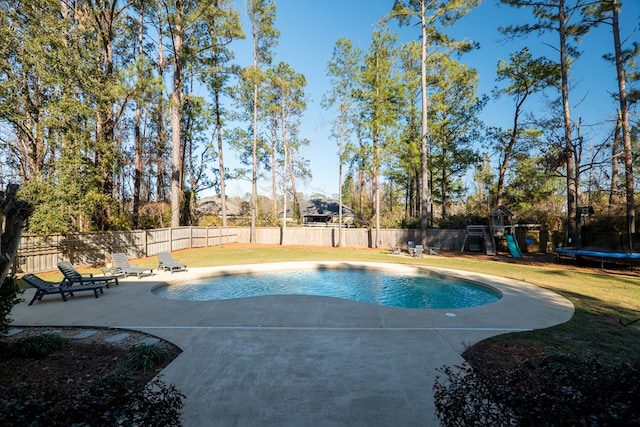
{"x":78,"y":362}
{"x":490,"y":357}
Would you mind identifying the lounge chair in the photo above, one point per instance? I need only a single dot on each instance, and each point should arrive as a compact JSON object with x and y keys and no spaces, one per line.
{"x":411,"y":247}
{"x":73,"y":277}
{"x":418,"y":250}
{"x":166,"y":262}
{"x":121,"y":265}
{"x":44,"y":287}
{"x":434,"y":250}
{"x":396,"y":250}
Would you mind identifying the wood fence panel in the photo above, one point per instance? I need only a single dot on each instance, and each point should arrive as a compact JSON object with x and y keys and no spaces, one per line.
{"x":308,"y":236}
{"x":214,"y":236}
{"x":158,"y":241}
{"x":268,"y":235}
{"x":88,"y":248}
{"x":38,"y":251}
{"x":199,"y":237}
{"x":395,"y":237}
{"x":356,"y":238}
{"x":42,"y":253}
{"x":243,"y":235}
{"x":131,"y":243}
{"x":448,"y":240}
{"x":220,"y":236}
{"x":180,"y":238}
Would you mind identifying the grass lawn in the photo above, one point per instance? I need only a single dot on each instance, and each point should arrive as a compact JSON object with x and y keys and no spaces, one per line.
{"x":602,"y":300}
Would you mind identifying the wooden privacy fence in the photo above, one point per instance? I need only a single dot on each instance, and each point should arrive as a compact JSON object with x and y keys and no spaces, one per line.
{"x":352,"y":237}
{"x":38,"y":253}
{"x":42,"y":253}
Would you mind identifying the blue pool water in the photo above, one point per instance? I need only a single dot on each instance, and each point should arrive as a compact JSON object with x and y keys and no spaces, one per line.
{"x":368,"y":286}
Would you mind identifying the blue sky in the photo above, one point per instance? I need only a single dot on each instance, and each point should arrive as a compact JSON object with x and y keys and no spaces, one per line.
{"x":309,"y":30}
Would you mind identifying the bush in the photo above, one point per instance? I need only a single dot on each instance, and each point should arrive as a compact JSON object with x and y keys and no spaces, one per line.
{"x":38,"y":346}
{"x":460,"y":222}
{"x":9,"y":296}
{"x":143,"y":358}
{"x":559,"y":390}
{"x":112,"y":400}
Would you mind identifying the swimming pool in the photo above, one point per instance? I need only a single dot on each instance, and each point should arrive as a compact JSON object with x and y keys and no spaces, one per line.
{"x":392,"y":289}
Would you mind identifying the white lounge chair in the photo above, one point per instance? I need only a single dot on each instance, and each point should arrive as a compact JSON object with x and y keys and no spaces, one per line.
{"x":411,"y":247}
{"x":418,"y":250}
{"x":434,"y":250}
{"x":121,"y":265}
{"x":166,"y":262}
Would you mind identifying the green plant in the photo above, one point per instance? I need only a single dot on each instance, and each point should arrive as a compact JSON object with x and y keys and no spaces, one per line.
{"x":9,"y":296}
{"x":118,"y":400}
{"x":39,"y":346}
{"x":461,"y":221}
{"x":555,"y":390}
{"x":144,"y":357}
{"x":111,"y":400}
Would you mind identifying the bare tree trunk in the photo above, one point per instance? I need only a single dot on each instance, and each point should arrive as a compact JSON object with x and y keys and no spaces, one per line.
{"x":443,"y":190}
{"x":626,"y":135}
{"x":254,"y":150}
{"x":160,"y":182}
{"x":284,"y":190}
{"x":508,"y":150}
{"x":614,"y":198}
{"x":13,"y":218}
{"x":177,"y":100}
{"x":274,"y":170}
{"x":361,"y":185}
{"x":340,"y":154}
{"x":223,"y":196}
{"x":573,"y":224}
{"x":376,"y":188}
{"x":416,"y":201}
{"x":139,"y":146}
{"x":424,"y":138}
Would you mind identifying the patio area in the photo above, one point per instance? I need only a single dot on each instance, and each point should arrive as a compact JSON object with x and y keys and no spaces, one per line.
{"x":302,"y":360}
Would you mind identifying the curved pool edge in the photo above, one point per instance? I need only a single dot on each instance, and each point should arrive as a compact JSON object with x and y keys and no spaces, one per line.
{"x":523,"y":306}
{"x":366,"y":283}
{"x":131,"y":305}
{"x":321,"y":356}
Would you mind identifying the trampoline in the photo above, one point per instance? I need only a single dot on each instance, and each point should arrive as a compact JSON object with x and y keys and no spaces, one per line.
{"x":599,"y":254}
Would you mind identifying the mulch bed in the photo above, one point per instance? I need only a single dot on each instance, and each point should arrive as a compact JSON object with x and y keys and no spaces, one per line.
{"x":77,"y":362}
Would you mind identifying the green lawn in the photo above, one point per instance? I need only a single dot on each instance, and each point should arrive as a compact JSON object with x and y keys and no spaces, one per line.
{"x":601,"y":300}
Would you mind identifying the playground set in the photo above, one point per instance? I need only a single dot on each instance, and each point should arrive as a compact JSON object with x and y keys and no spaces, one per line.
{"x":487,"y":238}
{"x":501,"y":235}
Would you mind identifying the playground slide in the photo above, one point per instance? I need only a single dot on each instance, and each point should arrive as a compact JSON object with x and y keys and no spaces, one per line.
{"x":512,"y":244}
{"x":488,"y":244}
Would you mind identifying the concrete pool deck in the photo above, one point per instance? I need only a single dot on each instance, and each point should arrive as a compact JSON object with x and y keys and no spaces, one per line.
{"x":302,"y":360}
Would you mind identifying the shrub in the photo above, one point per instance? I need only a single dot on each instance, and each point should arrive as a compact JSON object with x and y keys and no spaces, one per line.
{"x":465,"y":399}
{"x":38,"y":346}
{"x":9,"y":296}
{"x":557,"y":390}
{"x":118,"y":400}
{"x":143,"y":358}
{"x":111,"y":400}
{"x":460,"y":221}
